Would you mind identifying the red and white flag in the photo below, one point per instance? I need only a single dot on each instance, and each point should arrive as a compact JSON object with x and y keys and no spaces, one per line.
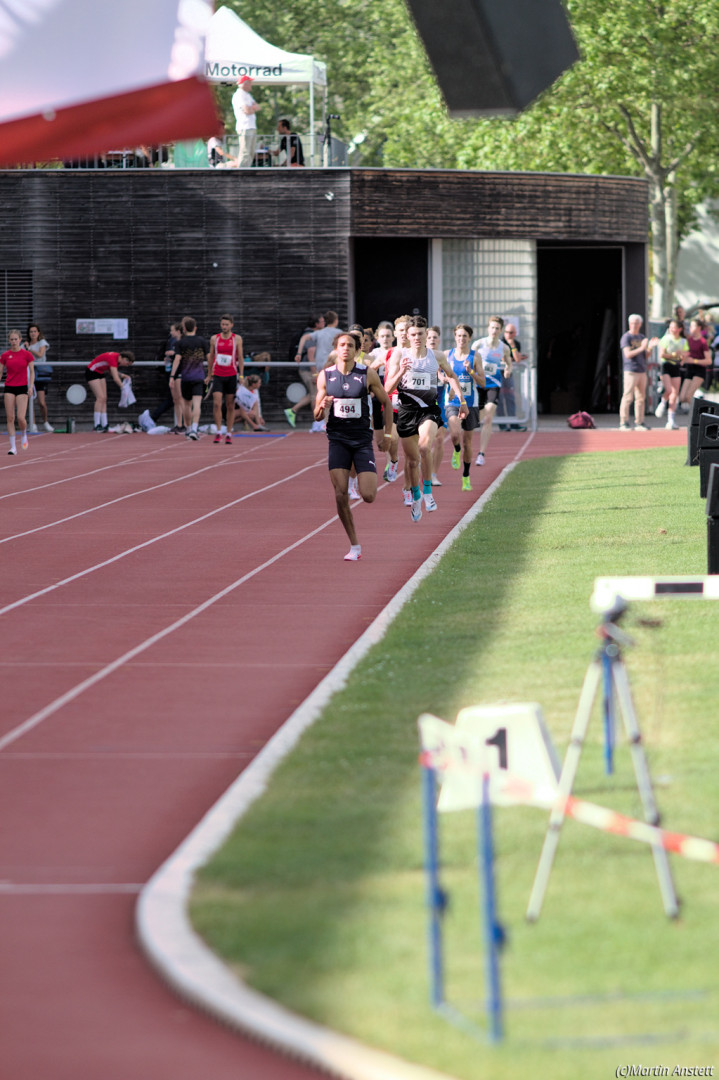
{"x":80,"y":77}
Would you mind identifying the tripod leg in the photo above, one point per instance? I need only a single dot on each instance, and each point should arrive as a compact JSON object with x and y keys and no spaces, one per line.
{"x":566,"y":782}
{"x":644,"y":783}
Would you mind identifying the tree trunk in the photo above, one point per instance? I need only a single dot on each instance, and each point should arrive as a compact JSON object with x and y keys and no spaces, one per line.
{"x":672,"y":241}
{"x":661,"y":295}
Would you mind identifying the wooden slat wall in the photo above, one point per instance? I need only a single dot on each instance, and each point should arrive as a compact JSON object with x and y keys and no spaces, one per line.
{"x":267,"y":245}
{"x":472,"y":204}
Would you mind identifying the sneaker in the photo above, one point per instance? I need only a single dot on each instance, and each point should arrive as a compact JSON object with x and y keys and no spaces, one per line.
{"x":660,"y":409}
{"x":24,"y":442}
{"x":415,"y":509}
{"x":228,"y":440}
{"x":12,"y":450}
{"x":480,"y":458}
{"x":671,"y":426}
{"x":354,"y":492}
{"x":683,"y":407}
{"x":354,"y":554}
{"x":178,"y":429}
{"x":436,"y":482}
{"x":192,"y":435}
{"x":466,"y":484}
{"x":47,"y":427}
{"x":392,"y":472}
{"x":385,"y":474}
{"x":455,"y":459}
{"x":429,"y":502}
{"x":407,"y":496}
{"x":641,"y":427}
{"x":98,"y":427}
{"x":217,"y":438}
{"x":317,"y":425}
{"x":291,"y":417}
{"x":624,"y":427}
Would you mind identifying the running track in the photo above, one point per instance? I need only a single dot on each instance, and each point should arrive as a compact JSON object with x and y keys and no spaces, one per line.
{"x":165,"y":606}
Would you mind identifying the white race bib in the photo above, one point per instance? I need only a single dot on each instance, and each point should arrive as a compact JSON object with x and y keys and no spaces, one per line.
{"x":465,"y":386}
{"x":417,"y":380}
{"x":491,"y":368}
{"x":347,"y":408}
{"x":224,"y":360}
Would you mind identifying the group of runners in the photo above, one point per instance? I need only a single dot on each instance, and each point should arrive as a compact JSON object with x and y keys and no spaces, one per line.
{"x":397,"y":390}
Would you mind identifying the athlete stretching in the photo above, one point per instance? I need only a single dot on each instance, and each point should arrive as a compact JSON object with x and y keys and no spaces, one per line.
{"x":343,"y":400}
{"x":413,"y":372}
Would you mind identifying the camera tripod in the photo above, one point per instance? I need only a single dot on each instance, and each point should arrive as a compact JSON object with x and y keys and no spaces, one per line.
{"x":606,"y":669}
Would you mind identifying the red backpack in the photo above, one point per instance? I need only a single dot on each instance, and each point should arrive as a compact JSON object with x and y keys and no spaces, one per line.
{"x":581,"y":420}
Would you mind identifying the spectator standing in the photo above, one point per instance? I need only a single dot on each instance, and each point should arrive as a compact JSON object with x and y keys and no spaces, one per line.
{"x":38,"y":346}
{"x":191,"y":352}
{"x":18,"y":367}
{"x":245,"y":107}
{"x":635,"y":357}
{"x":226,"y":364}
{"x":172,"y":399}
{"x":288,"y":140}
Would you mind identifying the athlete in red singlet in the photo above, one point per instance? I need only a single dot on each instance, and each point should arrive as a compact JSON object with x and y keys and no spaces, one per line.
{"x":227,"y":363}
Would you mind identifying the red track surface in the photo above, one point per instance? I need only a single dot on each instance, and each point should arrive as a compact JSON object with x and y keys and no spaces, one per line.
{"x":132,"y":699}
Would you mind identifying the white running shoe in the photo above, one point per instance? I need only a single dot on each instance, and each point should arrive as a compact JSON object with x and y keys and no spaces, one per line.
{"x":415,"y":509}
{"x":392,"y":472}
{"x":354,"y":554}
{"x":429,"y":502}
{"x":660,"y":409}
{"x":47,"y":426}
{"x":12,"y":450}
{"x":407,"y":496}
{"x":671,"y":426}
{"x":24,"y":442}
{"x":436,"y":482}
{"x":480,"y":458}
{"x":354,"y":491}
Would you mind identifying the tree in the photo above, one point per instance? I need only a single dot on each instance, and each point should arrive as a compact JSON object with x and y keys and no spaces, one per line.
{"x":640,"y":101}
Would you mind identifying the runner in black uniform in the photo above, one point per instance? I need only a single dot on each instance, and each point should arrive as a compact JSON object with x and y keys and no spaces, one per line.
{"x":343,"y":399}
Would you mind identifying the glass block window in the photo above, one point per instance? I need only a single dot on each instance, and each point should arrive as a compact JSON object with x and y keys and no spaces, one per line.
{"x":481,"y":278}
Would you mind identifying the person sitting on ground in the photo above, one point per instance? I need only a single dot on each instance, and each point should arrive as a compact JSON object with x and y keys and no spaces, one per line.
{"x":247,"y":402}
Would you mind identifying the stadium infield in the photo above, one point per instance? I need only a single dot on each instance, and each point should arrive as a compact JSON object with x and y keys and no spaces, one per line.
{"x":318,"y":898}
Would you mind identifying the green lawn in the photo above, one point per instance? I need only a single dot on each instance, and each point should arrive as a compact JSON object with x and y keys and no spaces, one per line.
{"x":318,"y":897}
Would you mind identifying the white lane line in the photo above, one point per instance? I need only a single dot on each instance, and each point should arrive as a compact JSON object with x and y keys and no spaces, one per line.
{"x":75,"y":692}
{"x":162,"y":920}
{"x":122,"y":498}
{"x":81,"y":476}
{"x":26,"y":462}
{"x":153,"y":540}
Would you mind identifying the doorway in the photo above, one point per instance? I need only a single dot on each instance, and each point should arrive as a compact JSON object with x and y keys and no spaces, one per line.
{"x":391,"y":278}
{"x":579,"y":315}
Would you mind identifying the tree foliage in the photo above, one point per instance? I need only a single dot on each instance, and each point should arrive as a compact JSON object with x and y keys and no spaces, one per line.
{"x":641,"y":101}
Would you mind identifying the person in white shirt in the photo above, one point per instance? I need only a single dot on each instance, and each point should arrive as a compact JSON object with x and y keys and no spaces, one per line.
{"x":245,"y":107}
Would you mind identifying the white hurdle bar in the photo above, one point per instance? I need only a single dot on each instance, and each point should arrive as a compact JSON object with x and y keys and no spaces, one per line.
{"x":607,"y":590}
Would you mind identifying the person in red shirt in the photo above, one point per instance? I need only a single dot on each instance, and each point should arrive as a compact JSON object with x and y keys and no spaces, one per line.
{"x":18,"y":367}
{"x":225,"y":366}
{"x":95,"y":378}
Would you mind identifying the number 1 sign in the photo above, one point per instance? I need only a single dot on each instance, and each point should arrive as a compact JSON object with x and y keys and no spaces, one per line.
{"x":501,"y":740}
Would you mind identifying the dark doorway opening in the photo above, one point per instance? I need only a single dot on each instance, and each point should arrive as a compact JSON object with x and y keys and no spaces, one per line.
{"x":391,"y":278}
{"x":579,"y":315}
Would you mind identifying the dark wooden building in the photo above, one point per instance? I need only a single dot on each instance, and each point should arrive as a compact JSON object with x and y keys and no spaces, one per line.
{"x":564,"y":255}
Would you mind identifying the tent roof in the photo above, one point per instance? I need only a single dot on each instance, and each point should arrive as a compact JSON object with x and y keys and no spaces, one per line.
{"x":232,"y":48}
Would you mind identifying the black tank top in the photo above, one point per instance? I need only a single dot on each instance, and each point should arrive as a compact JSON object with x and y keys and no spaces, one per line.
{"x":350,"y":411}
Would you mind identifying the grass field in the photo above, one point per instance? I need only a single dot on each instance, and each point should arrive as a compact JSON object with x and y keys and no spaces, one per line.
{"x":318,"y":897}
